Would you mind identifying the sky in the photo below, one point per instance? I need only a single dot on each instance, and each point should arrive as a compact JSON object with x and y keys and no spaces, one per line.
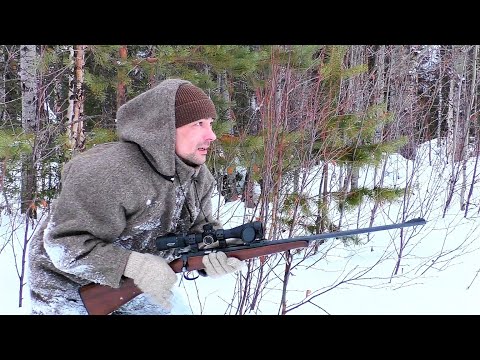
{"x":437,"y":274}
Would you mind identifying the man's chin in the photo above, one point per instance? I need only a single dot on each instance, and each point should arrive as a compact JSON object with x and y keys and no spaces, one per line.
{"x":197,"y":161}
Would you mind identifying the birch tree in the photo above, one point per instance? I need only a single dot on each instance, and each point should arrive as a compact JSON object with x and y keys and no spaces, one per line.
{"x":457,"y":124}
{"x":470,"y":108}
{"x":472,"y":114}
{"x":75,"y":121}
{"x":28,"y":79}
{"x":3,"y":67}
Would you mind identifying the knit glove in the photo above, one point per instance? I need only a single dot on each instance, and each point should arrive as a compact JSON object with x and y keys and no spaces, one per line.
{"x":218,"y":264}
{"x":153,"y":276}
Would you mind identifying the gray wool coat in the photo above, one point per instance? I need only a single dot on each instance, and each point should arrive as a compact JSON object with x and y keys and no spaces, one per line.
{"x":117,"y":198}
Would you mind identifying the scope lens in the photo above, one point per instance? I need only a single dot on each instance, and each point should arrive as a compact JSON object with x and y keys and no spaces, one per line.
{"x":248,"y":234}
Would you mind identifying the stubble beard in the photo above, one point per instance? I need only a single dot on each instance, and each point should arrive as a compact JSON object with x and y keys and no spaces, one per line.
{"x":194,"y":159}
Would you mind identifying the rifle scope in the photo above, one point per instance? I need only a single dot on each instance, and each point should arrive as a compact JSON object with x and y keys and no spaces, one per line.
{"x":248,"y":233}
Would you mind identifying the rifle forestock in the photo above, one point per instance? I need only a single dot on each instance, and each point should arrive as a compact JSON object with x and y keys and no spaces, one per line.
{"x":102,"y":300}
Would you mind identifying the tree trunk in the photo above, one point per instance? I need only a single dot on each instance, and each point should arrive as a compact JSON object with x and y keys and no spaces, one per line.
{"x":75,"y":129}
{"x":28,"y":79}
{"x":3,"y":115}
{"x":3,"y":66}
{"x":29,"y":88}
{"x":378,"y":98}
{"x":122,"y":74}
{"x":470,"y":108}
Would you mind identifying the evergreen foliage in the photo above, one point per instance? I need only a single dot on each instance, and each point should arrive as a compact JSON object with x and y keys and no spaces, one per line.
{"x":378,"y":194}
{"x":13,"y":145}
{"x":344,"y":138}
{"x":100,"y":135}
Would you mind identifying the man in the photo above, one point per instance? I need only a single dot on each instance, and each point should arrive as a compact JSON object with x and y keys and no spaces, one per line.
{"x":117,"y":198}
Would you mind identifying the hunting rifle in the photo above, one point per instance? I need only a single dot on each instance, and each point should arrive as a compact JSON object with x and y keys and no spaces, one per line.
{"x":102,"y":300}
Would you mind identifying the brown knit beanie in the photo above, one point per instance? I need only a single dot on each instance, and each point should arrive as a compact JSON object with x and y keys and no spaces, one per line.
{"x":192,"y":104}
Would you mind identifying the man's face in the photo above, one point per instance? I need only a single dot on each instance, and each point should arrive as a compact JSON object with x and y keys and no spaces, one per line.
{"x":193,"y":140}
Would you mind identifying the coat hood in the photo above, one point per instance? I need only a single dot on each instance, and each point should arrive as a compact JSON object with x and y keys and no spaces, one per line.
{"x":149,"y":121}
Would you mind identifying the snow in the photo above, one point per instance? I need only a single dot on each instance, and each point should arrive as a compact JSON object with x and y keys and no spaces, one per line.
{"x":437,"y":263}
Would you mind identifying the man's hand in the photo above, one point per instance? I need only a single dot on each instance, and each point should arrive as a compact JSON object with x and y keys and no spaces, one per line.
{"x":153,"y":276}
{"x":218,"y":264}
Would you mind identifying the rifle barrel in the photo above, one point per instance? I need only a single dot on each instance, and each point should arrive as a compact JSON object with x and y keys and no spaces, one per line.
{"x":338,"y":234}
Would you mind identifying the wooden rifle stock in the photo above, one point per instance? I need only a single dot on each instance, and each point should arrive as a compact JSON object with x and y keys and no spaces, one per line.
{"x":102,"y":299}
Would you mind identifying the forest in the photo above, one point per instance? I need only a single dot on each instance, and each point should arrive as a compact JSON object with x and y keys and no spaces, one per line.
{"x":298,"y":129}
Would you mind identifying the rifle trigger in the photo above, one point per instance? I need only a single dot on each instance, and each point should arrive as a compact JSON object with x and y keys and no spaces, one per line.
{"x":186,"y":272}
{"x":185,"y":263}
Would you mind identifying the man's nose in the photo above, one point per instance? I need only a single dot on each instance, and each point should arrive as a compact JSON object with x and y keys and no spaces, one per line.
{"x":210,"y":136}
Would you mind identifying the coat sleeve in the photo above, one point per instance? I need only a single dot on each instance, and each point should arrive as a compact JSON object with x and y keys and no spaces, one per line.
{"x":205,"y":214}
{"x":86,"y":218}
